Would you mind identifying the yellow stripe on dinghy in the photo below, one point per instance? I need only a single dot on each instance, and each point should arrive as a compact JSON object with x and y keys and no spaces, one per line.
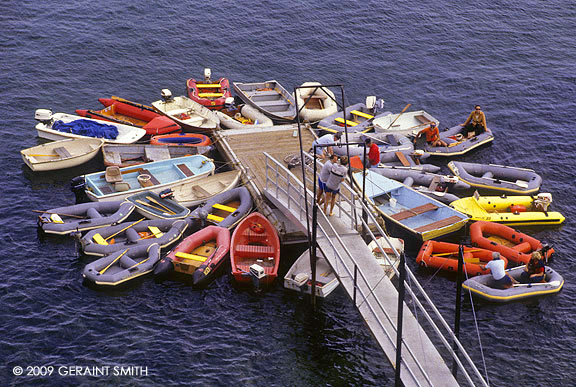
{"x":194,"y":257}
{"x":214,"y":218}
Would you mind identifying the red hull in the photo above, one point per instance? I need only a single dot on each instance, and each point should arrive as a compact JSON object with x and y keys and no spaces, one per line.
{"x":255,"y":241}
{"x":131,"y":113}
{"x":211,"y":97}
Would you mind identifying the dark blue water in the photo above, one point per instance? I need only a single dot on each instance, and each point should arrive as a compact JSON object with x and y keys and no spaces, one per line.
{"x":516,"y":60}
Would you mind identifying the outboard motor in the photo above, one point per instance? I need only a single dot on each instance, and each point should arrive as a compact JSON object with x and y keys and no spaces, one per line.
{"x":45,"y":116}
{"x":166,"y":95}
{"x":207,"y":75}
{"x":78,"y":186}
{"x":257,"y":273}
{"x":542,"y":201}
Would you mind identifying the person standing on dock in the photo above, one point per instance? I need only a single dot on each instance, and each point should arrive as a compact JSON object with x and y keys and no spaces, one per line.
{"x":475,"y":123}
{"x":337,"y":174}
{"x":323,"y":177}
{"x":324,"y":144}
{"x":373,"y":158}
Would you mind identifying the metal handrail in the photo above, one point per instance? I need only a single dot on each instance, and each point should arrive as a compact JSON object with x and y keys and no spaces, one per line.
{"x":353,"y":204}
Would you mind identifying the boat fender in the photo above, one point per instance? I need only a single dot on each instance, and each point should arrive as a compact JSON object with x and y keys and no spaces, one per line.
{"x":257,"y":228}
{"x":517,"y":209}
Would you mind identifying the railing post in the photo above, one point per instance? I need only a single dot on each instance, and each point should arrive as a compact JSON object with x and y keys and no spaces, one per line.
{"x":458,"y":306}
{"x":401,"y":290}
{"x":355,"y":282}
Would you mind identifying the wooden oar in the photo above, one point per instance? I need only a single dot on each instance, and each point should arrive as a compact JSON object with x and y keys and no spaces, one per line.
{"x":160,"y":204}
{"x":68,"y":215}
{"x":124,"y":229}
{"x":151,"y":206}
{"x":44,"y":155}
{"x":111,"y":263}
{"x":402,"y":112}
{"x":551,"y":283}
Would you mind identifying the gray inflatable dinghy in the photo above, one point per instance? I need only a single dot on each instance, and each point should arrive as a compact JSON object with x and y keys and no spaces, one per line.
{"x":497,"y":177}
{"x":132,"y":234}
{"x":84,"y":217}
{"x":411,"y":177}
{"x":458,"y":144}
{"x":482,"y":286}
{"x":225,"y":209}
{"x":123,"y":265}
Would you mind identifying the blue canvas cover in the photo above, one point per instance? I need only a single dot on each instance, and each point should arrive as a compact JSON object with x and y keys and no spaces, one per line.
{"x":87,"y":128}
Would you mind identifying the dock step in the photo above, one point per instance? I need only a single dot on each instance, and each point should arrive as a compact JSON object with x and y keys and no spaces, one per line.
{"x":414,"y":211}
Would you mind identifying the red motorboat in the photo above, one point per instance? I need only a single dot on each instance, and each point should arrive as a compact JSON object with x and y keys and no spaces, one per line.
{"x":208,"y":93}
{"x":255,"y":251}
{"x":126,"y":112}
{"x":199,"y":255}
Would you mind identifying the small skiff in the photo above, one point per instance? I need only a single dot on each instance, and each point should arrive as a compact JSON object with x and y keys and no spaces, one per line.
{"x":193,"y":193}
{"x":126,"y":235}
{"x":190,"y":140}
{"x":497,"y":177}
{"x":189,"y":114}
{"x":226,"y":209}
{"x":136,"y":154}
{"x":126,"y":112}
{"x":208,"y":93}
{"x":118,"y":183}
{"x":407,"y":123}
{"x":270,"y":97}
{"x":512,"y":244}
{"x":481,"y":286}
{"x":243,"y":117}
{"x":153,"y":206}
{"x":315,"y":102}
{"x":122,"y":266}
{"x":417,"y":213}
{"x":61,"y":154}
{"x":199,"y":255}
{"x":383,"y":251}
{"x":510,"y":210}
{"x":299,"y":276}
{"x":458,"y":144}
{"x":59,"y":126}
{"x":255,"y":251}
{"x":358,"y":119}
{"x":83,"y":217}
{"x":444,"y":256}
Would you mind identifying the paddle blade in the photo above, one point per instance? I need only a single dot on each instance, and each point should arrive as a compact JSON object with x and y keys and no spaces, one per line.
{"x":98,"y":239}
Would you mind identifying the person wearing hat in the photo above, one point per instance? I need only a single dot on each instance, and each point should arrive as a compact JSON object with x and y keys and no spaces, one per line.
{"x":475,"y":123}
{"x":497,"y":266}
{"x":324,"y":144}
{"x":432,"y":135}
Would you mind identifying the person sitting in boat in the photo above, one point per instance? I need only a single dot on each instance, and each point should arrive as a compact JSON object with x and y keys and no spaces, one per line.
{"x":534,"y":270}
{"x":497,"y":266}
{"x":337,"y":175}
{"x":432,"y":135}
{"x":475,"y":123}
{"x":324,"y":144}
{"x":373,"y":158}
{"x":323,"y":177}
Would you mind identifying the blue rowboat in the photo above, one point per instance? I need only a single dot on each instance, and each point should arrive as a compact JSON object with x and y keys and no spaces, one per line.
{"x":419,"y":214}
{"x":153,"y":206}
{"x":118,"y":183}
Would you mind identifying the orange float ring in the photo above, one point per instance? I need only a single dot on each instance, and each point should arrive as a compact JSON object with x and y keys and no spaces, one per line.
{"x":182,"y":139}
{"x":444,"y":256}
{"x":523,"y":247}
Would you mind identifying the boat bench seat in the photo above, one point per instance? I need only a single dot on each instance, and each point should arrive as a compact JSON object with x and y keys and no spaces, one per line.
{"x":341,"y":120}
{"x":439,"y":224}
{"x":199,"y":191}
{"x":402,"y":157}
{"x":210,"y":95}
{"x":185,"y":170}
{"x":254,"y":251}
{"x":152,"y":178}
{"x":62,"y":152}
{"x":361,"y":114}
{"x":263,"y":92}
{"x":208,"y":85}
{"x":414,"y":211}
{"x":253,"y":236}
{"x":422,"y":119}
{"x":276,"y":102}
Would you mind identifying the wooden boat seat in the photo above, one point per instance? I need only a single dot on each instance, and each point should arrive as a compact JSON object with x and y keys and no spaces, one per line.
{"x":341,"y":120}
{"x":253,"y":236}
{"x":414,"y":211}
{"x":152,"y":178}
{"x":361,"y":114}
{"x":254,"y":251}
{"x":402,"y":157}
{"x":185,"y":170}
{"x":62,"y":152}
{"x":422,"y":119}
{"x":314,"y":102}
{"x":199,"y":191}
{"x":439,"y":224}
{"x":156,"y":153}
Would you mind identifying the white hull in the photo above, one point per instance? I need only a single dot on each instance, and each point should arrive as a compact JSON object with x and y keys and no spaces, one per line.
{"x":44,"y":158}
{"x":314,"y":111}
{"x":409,"y":123}
{"x":194,"y":193}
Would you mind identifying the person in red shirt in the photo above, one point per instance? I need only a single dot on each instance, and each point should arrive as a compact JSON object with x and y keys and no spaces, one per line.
{"x":373,"y":158}
{"x":432,"y":135}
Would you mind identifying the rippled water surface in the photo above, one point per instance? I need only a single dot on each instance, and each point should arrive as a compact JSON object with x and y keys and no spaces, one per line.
{"x":517,"y":60}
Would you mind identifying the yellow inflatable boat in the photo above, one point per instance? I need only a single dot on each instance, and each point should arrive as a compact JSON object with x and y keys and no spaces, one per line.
{"x":510,"y":210}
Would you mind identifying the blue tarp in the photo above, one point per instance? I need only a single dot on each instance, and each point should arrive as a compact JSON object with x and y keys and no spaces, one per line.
{"x":87,"y":128}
